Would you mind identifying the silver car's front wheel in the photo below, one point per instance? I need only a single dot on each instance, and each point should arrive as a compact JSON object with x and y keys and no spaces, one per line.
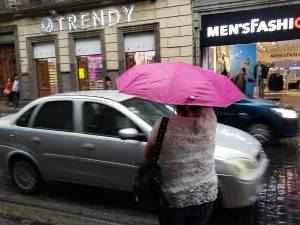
{"x":25,"y":176}
{"x":263,"y":133}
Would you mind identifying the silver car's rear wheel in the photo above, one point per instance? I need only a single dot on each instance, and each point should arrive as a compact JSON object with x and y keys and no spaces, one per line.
{"x":25,"y":176}
{"x":263,"y":133}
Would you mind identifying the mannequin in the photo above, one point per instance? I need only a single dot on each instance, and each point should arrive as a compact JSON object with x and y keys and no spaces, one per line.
{"x":257,"y":72}
{"x":223,"y":66}
{"x":260,"y":73}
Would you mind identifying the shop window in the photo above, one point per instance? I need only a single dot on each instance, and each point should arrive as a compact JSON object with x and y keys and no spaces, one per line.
{"x":89,"y":62}
{"x":139,"y":48}
{"x":46,"y":68}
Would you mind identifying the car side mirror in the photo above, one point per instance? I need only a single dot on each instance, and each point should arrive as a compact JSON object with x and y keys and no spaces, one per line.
{"x":131,"y":133}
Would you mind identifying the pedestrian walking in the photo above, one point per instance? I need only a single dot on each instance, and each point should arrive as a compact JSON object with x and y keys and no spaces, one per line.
{"x":188,"y":176}
{"x":241,"y":79}
{"x":8,"y":91}
{"x":15,"y":92}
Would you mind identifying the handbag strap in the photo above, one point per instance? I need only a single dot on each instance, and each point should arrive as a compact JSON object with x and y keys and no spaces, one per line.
{"x":160,"y":138}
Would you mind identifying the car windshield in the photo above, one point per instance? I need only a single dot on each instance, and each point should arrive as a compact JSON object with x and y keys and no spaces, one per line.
{"x":148,"y":110}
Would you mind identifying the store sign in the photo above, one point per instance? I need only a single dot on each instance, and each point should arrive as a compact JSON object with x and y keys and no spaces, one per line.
{"x":84,"y":20}
{"x":253,"y":26}
{"x":285,"y":55}
{"x":269,"y":24}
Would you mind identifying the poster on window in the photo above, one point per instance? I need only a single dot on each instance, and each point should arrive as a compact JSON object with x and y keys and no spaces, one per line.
{"x":139,"y":58}
{"x":243,"y":56}
{"x":52,"y":75}
{"x":95,"y":76}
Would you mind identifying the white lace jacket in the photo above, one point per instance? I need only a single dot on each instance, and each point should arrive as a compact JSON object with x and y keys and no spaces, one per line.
{"x":186,"y":159}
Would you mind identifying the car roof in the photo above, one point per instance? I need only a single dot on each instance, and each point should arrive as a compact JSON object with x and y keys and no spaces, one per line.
{"x":108,"y":94}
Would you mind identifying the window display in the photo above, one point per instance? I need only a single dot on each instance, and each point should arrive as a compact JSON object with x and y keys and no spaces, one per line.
{"x":89,"y":72}
{"x":139,"y":48}
{"x":273,"y":66}
{"x":89,"y":62}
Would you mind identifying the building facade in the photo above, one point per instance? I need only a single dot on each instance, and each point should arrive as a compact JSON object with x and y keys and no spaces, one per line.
{"x":60,"y":46}
{"x":229,"y":35}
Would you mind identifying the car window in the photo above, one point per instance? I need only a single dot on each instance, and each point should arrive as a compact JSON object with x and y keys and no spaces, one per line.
{"x":23,"y":121}
{"x":56,"y":115}
{"x":104,"y":120}
{"x":148,"y":110}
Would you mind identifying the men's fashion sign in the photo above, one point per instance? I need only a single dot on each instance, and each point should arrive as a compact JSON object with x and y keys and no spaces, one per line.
{"x":270,"y":24}
{"x":84,"y":20}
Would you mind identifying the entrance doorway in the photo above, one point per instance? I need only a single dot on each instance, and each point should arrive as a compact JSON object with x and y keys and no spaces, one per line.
{"x":46,"y":76}
{"x":8,"y":67}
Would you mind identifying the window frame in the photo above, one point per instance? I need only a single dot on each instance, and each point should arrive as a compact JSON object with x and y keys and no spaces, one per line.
{"x":34,"y":107}
{"x":122,"y":31}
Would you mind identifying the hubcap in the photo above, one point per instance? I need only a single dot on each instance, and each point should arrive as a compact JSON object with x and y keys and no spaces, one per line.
{"x":261,"y":133}
{"x":24,"y":175}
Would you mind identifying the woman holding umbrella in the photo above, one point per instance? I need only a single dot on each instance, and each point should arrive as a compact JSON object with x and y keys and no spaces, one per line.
{"x":187,"y":177}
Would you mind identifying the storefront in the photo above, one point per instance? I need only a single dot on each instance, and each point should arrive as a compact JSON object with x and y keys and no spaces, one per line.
{"x":264,"y":41}
{"x":9,"y":52}
{"x":84,"y":49}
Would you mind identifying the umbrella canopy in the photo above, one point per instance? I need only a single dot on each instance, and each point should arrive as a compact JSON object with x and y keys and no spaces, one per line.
{"x":179,"y":83}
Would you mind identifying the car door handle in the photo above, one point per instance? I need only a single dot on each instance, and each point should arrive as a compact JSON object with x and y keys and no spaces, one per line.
{"x":88,"y":147}
{"x":36,"y":140}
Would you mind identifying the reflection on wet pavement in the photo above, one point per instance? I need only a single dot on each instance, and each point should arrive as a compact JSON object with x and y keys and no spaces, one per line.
{"x":279,"y":201}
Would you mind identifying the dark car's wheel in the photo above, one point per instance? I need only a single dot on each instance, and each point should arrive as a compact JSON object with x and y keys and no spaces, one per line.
{"x":25,"y":176}
{"x":262,"y":132}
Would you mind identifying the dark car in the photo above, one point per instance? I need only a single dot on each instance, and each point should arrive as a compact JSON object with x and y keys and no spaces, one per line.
{"x":265,"y":120}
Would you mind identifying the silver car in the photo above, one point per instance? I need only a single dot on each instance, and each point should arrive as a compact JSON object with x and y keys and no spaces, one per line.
{"x":97,"y":138}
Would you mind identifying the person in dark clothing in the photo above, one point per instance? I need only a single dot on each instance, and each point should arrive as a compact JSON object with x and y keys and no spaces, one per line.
{"x":275,"y":82}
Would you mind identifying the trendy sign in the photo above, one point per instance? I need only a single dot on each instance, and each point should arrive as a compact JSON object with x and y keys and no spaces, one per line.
{"x":93,"y":19}
{"x":271,"y":24}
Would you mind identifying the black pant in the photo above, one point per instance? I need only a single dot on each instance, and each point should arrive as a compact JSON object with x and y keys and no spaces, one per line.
{"x":9,"y":98}
{"x":191,"y":215}
{"x":15,"y":98}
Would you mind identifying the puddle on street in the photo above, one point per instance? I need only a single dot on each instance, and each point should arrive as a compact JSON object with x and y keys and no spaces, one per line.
{"x":279,"y":201}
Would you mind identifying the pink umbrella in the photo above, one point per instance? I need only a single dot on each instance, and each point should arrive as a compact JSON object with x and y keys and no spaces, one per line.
{"x":179,"y":83}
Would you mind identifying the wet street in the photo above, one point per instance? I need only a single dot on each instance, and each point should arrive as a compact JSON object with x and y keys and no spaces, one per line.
{"x":278,"y":203}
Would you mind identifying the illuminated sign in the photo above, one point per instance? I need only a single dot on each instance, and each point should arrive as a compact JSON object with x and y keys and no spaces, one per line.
{"x":93,"y":19}
{"x":251,"y":26}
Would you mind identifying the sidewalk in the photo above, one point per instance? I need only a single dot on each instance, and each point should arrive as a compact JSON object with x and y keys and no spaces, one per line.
{"x":4,"y":109}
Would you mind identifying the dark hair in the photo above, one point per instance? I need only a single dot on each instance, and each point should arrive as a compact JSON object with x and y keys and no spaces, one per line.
{"x":193,"y":108}
{"x":244,"y":69}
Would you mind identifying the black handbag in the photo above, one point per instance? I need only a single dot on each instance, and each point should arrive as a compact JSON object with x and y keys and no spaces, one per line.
{"x":147,"y":192}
